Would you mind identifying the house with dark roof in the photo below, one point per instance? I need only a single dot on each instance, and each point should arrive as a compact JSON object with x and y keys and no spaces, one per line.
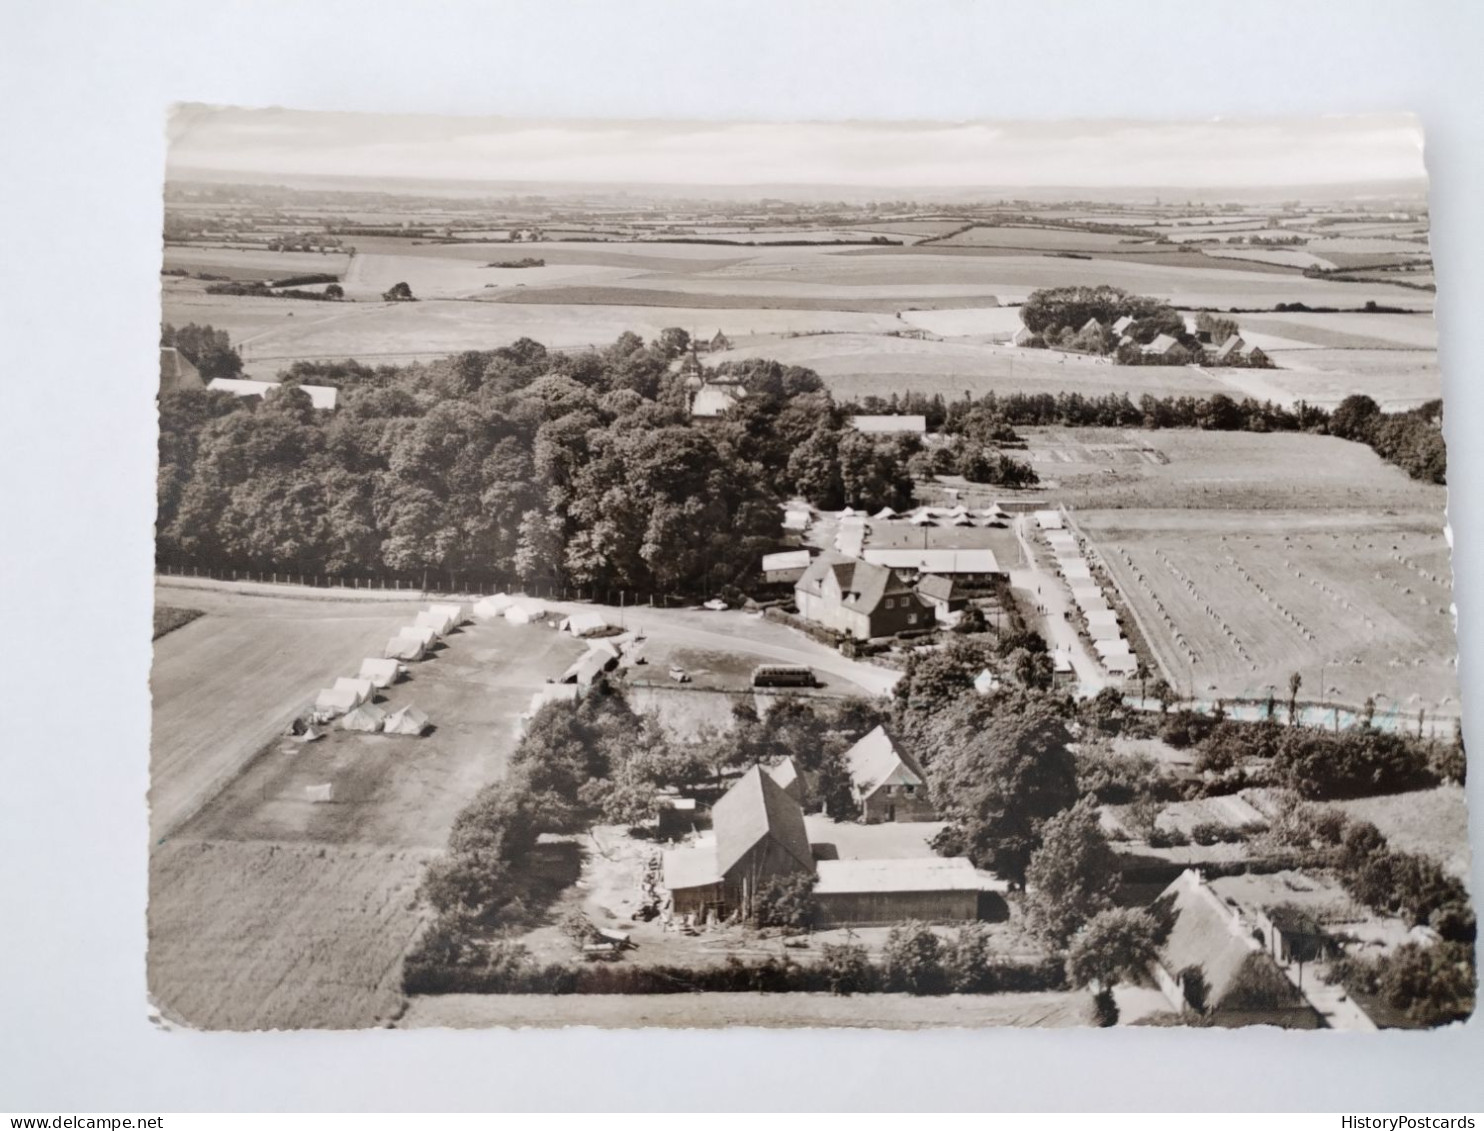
{"x":177,"y":374}
{"x":1230,"y":349}
{"x":888,"y":783}
{"x":757,"y":835}
{"x":1215,"y":962}
{"x":858,"y":599}
{"x":946,"y":595}
{"x":1167,"y":348}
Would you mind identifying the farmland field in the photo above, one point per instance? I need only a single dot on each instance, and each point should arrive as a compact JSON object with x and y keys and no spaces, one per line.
{"x":1106,"y":468}
{"x":245,"y":264}
{"x":1433,"y":822}
{"x":858,"y":365}
{"x":1232,"y":602}
{"x":1039,"y":239}
{"x":254,"y":935}
{"x":1349,"y":331}
{"x":1394,"y":378}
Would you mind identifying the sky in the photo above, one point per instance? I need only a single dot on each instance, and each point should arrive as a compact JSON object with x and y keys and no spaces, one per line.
{"x":260,"y":143}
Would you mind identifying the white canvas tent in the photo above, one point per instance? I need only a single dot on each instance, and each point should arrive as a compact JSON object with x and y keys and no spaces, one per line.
{"x":1126,"y":664}
{"x":1049,"y":520}
{"x":487,"y":608}
{"x":403,"y":648}
{"x":1106,"y":648}
{"x":334,"y":701}
{"x":922,"y":518}
{"x":381,"y":673}
{"x":438,"y":622}
{"x":367,"y":717}
{"x":584,"y":624}
{"x":1100,"y":632}
{"x":885,"y":513}
{"x":1083,"y":585}
{"x":406,"y":720}
{"x":364,"y":689}
{"x":454,"y":613}
{"x":421,"y":633}
{"x":1090,"y":602}
{"x":526,"y":612}
{"x":1075,"y":569}
{"x":1102,"y":616}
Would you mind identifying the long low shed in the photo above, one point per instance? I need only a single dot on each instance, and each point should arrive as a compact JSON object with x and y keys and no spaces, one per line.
{"x":862,"y":893}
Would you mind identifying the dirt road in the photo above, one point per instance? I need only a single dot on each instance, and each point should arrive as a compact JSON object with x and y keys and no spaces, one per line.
{"x":1041,"y":586}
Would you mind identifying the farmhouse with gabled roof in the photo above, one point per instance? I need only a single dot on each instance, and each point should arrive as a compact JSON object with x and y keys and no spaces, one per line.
{"x":887,"y":782}
{"x":858,"y":598}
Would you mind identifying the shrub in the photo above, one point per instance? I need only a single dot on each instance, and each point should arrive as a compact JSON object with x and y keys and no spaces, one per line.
{"x":912,"y":960}
{"x":786,"y":901}
{"x":846,"y":968}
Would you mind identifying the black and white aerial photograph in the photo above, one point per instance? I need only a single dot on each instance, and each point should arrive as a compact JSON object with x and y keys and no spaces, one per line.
{"x":701,"y":574}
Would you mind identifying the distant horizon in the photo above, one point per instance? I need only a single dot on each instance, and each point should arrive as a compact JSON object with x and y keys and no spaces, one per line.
{"x":1331,"y":157}
{"x":1122,"y":195}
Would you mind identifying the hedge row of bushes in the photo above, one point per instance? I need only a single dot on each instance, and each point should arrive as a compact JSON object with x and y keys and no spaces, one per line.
{"x":840,"y":970}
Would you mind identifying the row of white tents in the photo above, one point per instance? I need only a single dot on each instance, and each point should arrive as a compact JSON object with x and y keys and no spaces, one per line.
{"x":352,"y":700}
{"x":931,"y":516}
{"x":1102,"y":622}
{"x":516,"y":610}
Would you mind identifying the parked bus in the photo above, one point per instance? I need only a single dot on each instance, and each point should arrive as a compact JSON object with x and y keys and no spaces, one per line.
{"x":783,"y":675}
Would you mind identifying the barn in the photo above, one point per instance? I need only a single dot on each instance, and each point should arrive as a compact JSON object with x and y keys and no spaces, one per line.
{"x":757,"y":834}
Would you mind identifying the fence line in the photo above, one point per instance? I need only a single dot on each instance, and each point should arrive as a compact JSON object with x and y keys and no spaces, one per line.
{"x":417,"y":588}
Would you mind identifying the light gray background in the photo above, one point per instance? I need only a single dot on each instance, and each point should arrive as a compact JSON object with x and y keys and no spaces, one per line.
{"x":83,"y":93}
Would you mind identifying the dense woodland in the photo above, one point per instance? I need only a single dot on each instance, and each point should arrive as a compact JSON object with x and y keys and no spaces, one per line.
{"x":585,"y":469}
{"x":579,"y":469}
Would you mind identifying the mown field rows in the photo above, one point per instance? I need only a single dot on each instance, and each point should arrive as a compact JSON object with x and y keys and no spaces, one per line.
{"x":1237,"y":607}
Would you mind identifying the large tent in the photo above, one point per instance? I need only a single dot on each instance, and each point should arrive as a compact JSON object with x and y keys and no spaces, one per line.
{"x":584,"y":624}
{"x":1117,"y":646}
{"x":334,"y":701}
{"x":526,"y":612}
{"x":1125,"y":664}
{"x":381,"y":673}
{"x":403,"y":648}
{"x":438,"y":622}
{"x":454,"y":613}
{"x":1103,"y":631}
{"x":487,"y":608}
{"x":364,"y":689}
{"x":421,"y":633}
{"x":1102,"y":616}
{"x":367,"y":717}
{"x":406,"y":720}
